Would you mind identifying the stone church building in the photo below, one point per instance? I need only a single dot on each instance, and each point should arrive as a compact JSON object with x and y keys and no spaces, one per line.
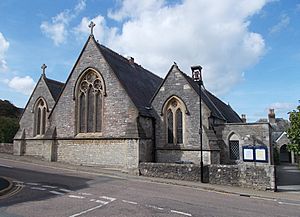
{"x":113,"y":112}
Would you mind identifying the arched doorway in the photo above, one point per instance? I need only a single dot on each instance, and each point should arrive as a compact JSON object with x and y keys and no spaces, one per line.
{"x":285,"y":155}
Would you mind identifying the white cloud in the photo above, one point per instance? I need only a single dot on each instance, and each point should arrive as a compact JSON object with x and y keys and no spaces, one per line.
{"x":282,"y":24}
{"x":23,"y":85}
{"x":4,"y":45}
{"x":57,"y":29}
{"x":214,"y":34}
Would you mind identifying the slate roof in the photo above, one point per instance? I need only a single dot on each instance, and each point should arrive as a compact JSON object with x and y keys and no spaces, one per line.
{"x":55,"y":87}
{"x":218,"y":108}
{"x":139,"y":83}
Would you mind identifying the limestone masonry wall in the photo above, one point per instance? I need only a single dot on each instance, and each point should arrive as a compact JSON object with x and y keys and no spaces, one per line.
{"x":6,"y":148}
{"x":188,"y":172}
{"x":249,"y":176}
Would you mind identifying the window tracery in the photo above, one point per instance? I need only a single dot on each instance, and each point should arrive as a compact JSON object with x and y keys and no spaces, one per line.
{"x":174,"y":121}
{"x":90,"y":103}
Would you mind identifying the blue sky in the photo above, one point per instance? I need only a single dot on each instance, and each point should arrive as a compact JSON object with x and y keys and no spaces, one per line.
{"x":249,"y":50}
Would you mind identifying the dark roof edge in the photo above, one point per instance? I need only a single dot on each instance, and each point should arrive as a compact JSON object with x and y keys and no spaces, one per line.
{"x":51,"y":80}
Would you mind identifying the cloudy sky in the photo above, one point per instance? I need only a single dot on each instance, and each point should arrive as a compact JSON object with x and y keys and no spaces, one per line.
{"x":249,"y":50}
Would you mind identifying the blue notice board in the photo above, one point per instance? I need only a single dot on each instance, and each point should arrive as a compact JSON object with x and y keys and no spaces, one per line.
{"x":255,"y":153}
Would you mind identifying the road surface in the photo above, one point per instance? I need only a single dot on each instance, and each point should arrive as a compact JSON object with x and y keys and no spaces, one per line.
{"x":53,"y":192}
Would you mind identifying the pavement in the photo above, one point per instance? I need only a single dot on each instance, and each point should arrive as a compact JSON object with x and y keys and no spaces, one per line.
{"x":288,"y":178}
{"x":293,"y":196}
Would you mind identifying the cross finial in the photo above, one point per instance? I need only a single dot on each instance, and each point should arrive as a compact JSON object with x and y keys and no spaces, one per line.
{"x":91,"y":26}
{"x":43,"y":67}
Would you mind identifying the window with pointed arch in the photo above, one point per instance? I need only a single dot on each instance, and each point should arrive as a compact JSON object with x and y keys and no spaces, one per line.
{"x":89,"y":97}
{"x":40,"y":117}
{"x":174,"y":115}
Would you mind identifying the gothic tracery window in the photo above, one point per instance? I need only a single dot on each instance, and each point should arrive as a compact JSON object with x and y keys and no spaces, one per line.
{"x":89,"y":103}
{"x":174,"y":118}
{"x":40,"y":117}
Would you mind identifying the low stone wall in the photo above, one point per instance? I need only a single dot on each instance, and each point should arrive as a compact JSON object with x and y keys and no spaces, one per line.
{"x":260,"y":177}
{"x":187,"y":172}
{"x":6,"y":148}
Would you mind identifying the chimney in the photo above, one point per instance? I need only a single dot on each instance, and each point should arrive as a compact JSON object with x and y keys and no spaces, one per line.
{"x":131,"y":60}
{"x":271,"y":116}
{"x":244,"y":119}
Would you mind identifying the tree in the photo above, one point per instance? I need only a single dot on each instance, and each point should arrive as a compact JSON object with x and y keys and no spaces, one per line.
{"x":8,"y":129}
{"x":294,"y":131}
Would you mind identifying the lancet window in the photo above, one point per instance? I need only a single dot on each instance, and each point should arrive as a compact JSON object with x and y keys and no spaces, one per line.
{"x":90,"y":103}
{"x":40,"y":117}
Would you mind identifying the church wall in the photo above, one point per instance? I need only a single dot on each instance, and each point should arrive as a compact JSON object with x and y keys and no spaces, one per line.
{"x":38,"y":148}
{"x":146,"y":150}
{"x":27,"y":119}
{"x":248,"y":134}
{"x":176,"y":84}
{"x":119,"y":115}
{"x":120,"y":153}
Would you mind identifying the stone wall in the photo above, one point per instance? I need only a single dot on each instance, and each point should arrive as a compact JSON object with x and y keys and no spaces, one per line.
{"x":248,"y":134}
{"x":39,"y":148}
{"x":256,"y":177}
{"x":117,"y":153}
{"x":188,"y":172}
{"x":6,"y":148}
{"x":172,"y":156}
{"x":146,"y":152}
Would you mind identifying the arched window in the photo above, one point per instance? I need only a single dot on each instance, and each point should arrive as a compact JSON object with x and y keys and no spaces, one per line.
{"x":90,"y":92}
{"x":174,"y":112}
{"x":40,"y":117}
{"x":234,"y":147}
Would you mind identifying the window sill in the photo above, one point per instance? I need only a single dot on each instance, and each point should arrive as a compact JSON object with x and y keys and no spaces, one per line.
{"x":89,"y":135}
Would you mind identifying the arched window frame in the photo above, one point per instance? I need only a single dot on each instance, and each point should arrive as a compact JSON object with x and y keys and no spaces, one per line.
{"x":78,"y":91}
{"x":40,"y":110}
{"x":173,"y":105}
{"x":233,"y":141}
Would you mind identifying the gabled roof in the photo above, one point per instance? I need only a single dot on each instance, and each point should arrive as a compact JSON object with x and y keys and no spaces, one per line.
{"x":55,"y":87}
{"x":139,"y":83}
{"x":218,"y":108}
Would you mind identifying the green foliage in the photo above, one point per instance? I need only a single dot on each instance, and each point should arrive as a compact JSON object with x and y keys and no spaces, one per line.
{"x":8,"y":129}
{"x":294,"y":131}
{"x":9,"y":121}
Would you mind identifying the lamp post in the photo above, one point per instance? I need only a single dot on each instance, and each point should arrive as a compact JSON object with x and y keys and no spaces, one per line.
{"x":197,"y":77}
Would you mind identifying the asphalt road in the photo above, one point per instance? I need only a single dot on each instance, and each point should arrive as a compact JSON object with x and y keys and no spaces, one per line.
{"x":42,"y":191}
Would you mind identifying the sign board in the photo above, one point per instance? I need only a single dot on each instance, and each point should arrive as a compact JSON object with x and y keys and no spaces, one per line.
{"x":248,"y":153}
{"x":255,"y":153}
{"x":261,"y":154}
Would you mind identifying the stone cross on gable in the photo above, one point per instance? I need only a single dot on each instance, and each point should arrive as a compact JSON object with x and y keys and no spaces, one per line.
{"x":91,"y":26}
{"x":43,"y":67}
